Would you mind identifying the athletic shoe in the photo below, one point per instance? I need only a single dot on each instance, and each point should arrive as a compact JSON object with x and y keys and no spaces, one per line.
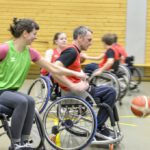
{"x":106,"y":132}
{"x":26,"y":146}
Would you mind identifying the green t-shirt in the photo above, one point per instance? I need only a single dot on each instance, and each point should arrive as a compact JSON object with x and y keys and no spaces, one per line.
{"x":14,"y":68}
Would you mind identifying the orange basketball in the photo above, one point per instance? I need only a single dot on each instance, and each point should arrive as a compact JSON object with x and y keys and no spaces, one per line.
{"x":140,"y":106}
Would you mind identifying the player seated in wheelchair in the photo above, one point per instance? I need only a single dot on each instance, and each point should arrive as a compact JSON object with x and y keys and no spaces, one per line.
{"x":110,"y":63}
{"x":60,"y":42}
{"x":70,"y":58}
{"x":110,"y":58}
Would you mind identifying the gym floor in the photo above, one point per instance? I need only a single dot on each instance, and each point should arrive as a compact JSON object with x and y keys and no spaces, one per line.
{"x":135,"y":130}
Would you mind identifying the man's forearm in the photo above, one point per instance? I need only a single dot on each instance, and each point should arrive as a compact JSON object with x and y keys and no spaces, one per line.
{"x":75,"y":87}
{"x":63,"y":81}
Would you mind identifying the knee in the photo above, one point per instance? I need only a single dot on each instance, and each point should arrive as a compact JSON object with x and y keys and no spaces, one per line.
{"x":112,"y":92}
{"x":23,"y":102}
{"x":31,"y":101}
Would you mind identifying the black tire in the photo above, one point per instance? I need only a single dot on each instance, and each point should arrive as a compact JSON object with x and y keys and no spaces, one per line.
{"x":37,"y":135}
{"x":124,"y":78}
{"x":136,"y":78}
{"x":40,"y":90}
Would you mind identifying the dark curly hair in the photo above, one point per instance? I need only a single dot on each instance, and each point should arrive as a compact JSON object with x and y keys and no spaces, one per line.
{"x":20,"y":25}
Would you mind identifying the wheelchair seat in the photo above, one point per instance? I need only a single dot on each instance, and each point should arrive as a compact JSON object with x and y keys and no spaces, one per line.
{"x":5,"y":111}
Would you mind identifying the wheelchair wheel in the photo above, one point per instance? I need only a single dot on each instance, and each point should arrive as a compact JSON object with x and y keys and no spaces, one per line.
{"x":123,"y":75}
{"x":69,"y":126}
{"x":40,"y":90}
{"x":37,"y":135}
{"x":136,"y":77}
{"x":125,"y":70}
{"x":107,"y":78}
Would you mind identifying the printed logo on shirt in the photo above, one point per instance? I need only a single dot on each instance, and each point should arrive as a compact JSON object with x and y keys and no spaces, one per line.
{"x":12,"y":59}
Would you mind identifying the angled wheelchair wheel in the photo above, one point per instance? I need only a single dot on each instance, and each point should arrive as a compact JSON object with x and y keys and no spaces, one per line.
{"x":40,"y":90}
{"x":123,"y":76}
{"x":125,"y":70}
{"x":69,"y":123}
{"x":136,"y":77}
{"x":37,"y":135}
{"x":107,"y":78}
{"x":123,"y":86}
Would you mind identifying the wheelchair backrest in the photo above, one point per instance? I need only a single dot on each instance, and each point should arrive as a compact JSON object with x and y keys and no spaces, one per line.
{"x":115,"y":66}
{"x":129,"y":60}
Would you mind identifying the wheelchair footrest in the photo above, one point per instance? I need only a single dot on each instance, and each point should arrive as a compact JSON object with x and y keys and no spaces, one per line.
{"x":107,"y":141}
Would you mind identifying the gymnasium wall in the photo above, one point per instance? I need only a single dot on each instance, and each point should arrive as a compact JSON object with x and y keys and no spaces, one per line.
{"x":136,"y":29}
{"x":147,"y":52}
{"x":147,"y":56}
{"x":64,"y":15}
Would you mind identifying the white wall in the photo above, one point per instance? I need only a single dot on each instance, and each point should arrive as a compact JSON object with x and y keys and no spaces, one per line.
{"x":136,"y":29}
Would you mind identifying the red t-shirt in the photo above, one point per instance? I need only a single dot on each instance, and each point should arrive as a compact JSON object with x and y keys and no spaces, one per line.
{"x":121,"y":51}
{"x":55,"y":55}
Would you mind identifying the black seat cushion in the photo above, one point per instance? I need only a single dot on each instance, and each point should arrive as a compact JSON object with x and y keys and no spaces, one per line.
{"x":5,"y":110}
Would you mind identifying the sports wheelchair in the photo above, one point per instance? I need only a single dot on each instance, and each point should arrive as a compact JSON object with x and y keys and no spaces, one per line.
{"x":69,"y":122}
{"x":37,"y":136}
{"x":62,"y":121}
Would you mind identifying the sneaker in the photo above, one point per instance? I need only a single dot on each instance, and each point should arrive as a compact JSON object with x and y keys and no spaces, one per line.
{"x":26,"y":146}
{"x":16,"y":147}
{"x":106,"y":132}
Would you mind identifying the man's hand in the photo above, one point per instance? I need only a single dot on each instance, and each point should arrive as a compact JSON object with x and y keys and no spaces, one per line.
{"x":82,"y":75}
{"x":83,"y":55}
{"x":79,"y":87}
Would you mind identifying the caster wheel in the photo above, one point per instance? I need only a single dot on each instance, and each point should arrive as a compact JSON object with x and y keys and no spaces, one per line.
{"x":111,"y":146}
{"x":53,"y":138}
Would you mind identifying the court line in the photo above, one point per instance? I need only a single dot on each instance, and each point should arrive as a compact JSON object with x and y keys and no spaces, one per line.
{"x":128,"y":124}
{"x":130,"y":116}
